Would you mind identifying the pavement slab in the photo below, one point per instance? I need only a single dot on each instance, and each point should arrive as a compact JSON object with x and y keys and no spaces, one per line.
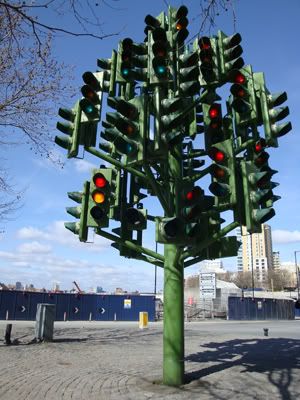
{"x":117,"y":360}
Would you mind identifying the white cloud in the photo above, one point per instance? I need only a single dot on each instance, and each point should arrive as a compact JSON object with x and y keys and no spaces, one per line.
{"x":282,"y":236}
{"x":34,"y":247}
{"x":56,"y":232}
{"x":21,"y":264}
{"x":84,"y":166}
{"x":29,"y":232}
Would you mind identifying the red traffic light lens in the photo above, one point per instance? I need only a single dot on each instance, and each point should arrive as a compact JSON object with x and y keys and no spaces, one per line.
{"x":259,"y":145}
{"x":239,"y":78}
{"x":261,"y":159}
{"x":129,"y":130}
{"x":218,"y":172}
{"x":193,"y":194}
{"x":236,"y":76}
{"x":214,"y":111}
{"x":99,"y":181}
{"x":204,"y":43}
{"x":216,"y":155}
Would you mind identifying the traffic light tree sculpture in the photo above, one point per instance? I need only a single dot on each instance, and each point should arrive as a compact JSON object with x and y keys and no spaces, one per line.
{"x":167,"y":87}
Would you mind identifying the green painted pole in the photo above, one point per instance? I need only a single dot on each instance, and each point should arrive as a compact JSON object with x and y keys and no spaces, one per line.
{"x":173,"y":333}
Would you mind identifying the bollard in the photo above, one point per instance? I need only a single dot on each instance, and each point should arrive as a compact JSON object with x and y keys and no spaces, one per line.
{"x":90,"y":317}
{"x":44,"y":324}
{"x":6,"y":316}
{"x":266,"y":331}
{"x":143,"y":319}
{"x":7,"y":334}
{"x":65,"y":316}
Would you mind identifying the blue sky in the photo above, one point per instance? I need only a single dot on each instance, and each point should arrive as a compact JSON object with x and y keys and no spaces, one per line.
{"x":36,"y":248}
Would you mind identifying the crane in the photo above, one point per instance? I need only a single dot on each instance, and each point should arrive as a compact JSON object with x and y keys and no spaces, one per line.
{"x":77,"y":287}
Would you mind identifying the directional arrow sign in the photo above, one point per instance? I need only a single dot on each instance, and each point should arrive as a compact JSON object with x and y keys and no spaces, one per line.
{"x":76,"y":309}
{"x":23,"y":308}
{"x":102,"y":310}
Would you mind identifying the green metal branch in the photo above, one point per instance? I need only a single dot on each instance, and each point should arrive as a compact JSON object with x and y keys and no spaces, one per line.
{"x":117,"y":163}
{"x":244,"y":146}
{"x":198,"y":175}
{"x":130,"y":245}
{"x":150,"y":261}
{"x":156,"y":188}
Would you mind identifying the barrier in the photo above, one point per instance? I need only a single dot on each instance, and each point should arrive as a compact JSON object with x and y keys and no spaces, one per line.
{"x":247,"y":308}
{"x":18,"y":305}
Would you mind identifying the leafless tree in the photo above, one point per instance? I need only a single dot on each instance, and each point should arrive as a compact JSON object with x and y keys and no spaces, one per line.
{"x":243,"y":279}
{"x":278,"y":280}
{"x":31,"y":80}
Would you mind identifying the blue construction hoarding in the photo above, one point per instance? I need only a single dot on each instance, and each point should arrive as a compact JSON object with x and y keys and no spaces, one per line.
{"x":248,"y":308}
{"x":18,"y":305}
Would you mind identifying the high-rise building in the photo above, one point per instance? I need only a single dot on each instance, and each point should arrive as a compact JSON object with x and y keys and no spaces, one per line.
{"x":276,"y":260}
{"x":19,"y":286}
{"x":255,"y":252}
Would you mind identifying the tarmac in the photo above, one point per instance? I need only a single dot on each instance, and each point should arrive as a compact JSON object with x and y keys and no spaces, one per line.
{"x":117,"y":360}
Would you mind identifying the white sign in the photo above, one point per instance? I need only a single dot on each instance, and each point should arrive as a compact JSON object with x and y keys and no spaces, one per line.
{"x":127,"y":303}
{"x":207,"y":284}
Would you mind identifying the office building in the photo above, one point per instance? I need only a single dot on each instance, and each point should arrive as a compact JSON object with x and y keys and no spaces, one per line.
{"x":276,"y":260}
{"x":255,"y":252}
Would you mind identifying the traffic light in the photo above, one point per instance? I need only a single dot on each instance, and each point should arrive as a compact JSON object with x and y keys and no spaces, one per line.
{"x":213,"y":124}
{"x":79,"y":228}
{"x":109,"y":65}
{"x":188,"y":77}
{"x":180,"y":23}
{"x":196,"y":124}
{"x":126,"y":129}
{"x":92,"y":95}
{"x":171,"y":120}
{"x":135,"y":194}
{"x":194,"y":203}
{"x":159,"y":56}
{"x":255,"y":212}
{"x":222,"y":171}
{"x":170,"y":230}
{"x":229,"y":53}
{"x":115,"y":188}
{"x":225,"y":247}
{"x":151,"y":24}
{"x":209,"y":69}
{"x":260,"y":158}
{"x":270,"y":114}
{"x":132,"y":61}
{"x":72,"y":128}
{"x":243,"y":98}
{"x":136,"y":218}
{"x":101,"y":197}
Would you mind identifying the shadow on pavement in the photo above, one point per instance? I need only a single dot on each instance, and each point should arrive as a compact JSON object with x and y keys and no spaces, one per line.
{"x":274,"y":357}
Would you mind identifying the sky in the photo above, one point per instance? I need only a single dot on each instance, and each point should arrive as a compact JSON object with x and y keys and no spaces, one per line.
{"x":34,"y":245}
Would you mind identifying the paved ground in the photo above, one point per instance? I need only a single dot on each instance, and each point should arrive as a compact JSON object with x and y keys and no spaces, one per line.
{"x":115,"y":360}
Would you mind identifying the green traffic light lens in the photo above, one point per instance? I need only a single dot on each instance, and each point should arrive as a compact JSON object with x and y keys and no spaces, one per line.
{"x":125,"y":72}
{"x":89,"y":109}
{"x":129,"y":149}
{"x":161,"y":70}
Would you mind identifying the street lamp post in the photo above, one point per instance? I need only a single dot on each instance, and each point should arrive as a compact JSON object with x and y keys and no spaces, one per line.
{"x":297,"y":272}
